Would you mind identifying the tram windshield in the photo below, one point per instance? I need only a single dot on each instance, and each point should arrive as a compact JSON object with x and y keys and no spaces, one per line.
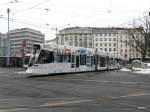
{"x":45,"y":57}
{"x":34,"y":54}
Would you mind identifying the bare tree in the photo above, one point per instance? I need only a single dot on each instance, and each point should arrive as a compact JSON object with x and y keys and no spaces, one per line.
{"x":140,"y":36}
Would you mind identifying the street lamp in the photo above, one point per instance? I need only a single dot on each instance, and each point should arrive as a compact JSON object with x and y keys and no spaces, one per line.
{"x":8,"y":42}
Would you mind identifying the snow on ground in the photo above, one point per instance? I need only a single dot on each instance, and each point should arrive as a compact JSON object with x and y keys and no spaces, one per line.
{"x":22,"y":72}
{"x":126,"y":69}
{"x":143,"y":71}
{"x":139,"y":71}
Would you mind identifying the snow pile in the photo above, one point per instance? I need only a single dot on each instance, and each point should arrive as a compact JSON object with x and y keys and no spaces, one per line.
{"x":22,"y":72}
{"x":135,"y":70}
{"x":126,"y":69}
{"x":143,"y":71}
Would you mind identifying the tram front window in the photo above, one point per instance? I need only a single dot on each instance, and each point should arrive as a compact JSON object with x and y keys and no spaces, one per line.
{"x":34,"y":55}
{"x":45,"y":57}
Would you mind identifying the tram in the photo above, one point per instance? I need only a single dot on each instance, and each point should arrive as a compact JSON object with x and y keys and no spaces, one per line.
{"x":54,"y":59}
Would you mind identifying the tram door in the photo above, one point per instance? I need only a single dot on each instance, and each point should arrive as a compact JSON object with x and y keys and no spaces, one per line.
{"x":77,"y":60}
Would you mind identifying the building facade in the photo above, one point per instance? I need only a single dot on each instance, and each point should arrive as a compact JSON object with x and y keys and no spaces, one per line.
{"x":2,"y":44}
{"x":76,"y":36}
{"x":21,"y":41}
{"x":113,"y":40}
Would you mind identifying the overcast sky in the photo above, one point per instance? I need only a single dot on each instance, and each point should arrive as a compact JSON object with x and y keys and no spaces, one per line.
{"x":46,"y":15}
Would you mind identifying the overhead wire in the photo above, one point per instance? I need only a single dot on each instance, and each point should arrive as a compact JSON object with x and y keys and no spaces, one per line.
{"x":32,"y":7}
{"x":40,"y":25}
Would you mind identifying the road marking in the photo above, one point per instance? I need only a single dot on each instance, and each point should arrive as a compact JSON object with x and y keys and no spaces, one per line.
{"x":124,"y":96}
{"x":2,"y":99}
{"x":132,"y":95}
{"x":9,"y":110}
{"x":142,"y":108}
{"x":59,"y":103}
{"x":102,"y":81}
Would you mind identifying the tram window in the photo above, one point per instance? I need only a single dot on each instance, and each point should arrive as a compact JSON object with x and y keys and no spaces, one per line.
{"x":88,"y":61}
{"x":82,"y":59}
{"x":102,"y":62}
{"x":77,"y":60}
{"x":111,"y":61}
{"x":61,"y":58}
{"x":67,"y":58}
{"x":45,"y":57}
{"x":92,"y":60}
{"x":73,"y":59}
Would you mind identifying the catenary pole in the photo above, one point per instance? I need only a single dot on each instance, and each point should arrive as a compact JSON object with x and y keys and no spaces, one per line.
{"x":8,"y":42}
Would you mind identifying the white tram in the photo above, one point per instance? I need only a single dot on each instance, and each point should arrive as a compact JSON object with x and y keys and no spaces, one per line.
{"x":54,"y":59}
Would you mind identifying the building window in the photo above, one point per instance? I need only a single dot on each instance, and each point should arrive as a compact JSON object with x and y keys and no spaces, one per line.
{"x":109,"y":44}
{"x":85,"y":37}
{"x":114,"y":44}
{"x":110,"y":34}
{"x":101,"y":49}
{"x":96,"y":39}
{"x":101,"y":44}
{"x":114,"y":34}
{"x":114,"y":49}
{"x":109,"y":39}
{"x":120,"y":40}
{"x":105,"y":49}
{"x":96,"y":44}
{"x":120,"y":36}
{"x":120,"y":45}
{"x":76,"y":42}
{"x":109,"y":49}
{"x":114,"y":39}
{"x":105,"y":44}
{"x":105,"y":34}
{"x":62,"y":39}
{"x":66,"y":38}
{"x":105,"y":39}
{"x":101,"y":39}
{"x":90,"y":38}
{"x":101,"y":34}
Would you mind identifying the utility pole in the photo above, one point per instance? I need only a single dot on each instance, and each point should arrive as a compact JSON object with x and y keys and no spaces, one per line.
{"x":8,"y":42}
{"x":56,"y":37}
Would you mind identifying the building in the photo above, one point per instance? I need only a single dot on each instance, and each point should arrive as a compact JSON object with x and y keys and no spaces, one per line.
{"x":21,"y":41}
{"x":2,"y":44}
{"x":51,"y":41}
{"x":113,"y":40}
{"x":76,"y":36}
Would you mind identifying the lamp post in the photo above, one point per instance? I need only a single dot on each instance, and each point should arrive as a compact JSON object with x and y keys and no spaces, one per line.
{"x":8,"y":42}
{"x":117,"y":52}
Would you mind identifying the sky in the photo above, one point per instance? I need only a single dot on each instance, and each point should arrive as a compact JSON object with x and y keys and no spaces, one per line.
{"x":47,"y":15}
